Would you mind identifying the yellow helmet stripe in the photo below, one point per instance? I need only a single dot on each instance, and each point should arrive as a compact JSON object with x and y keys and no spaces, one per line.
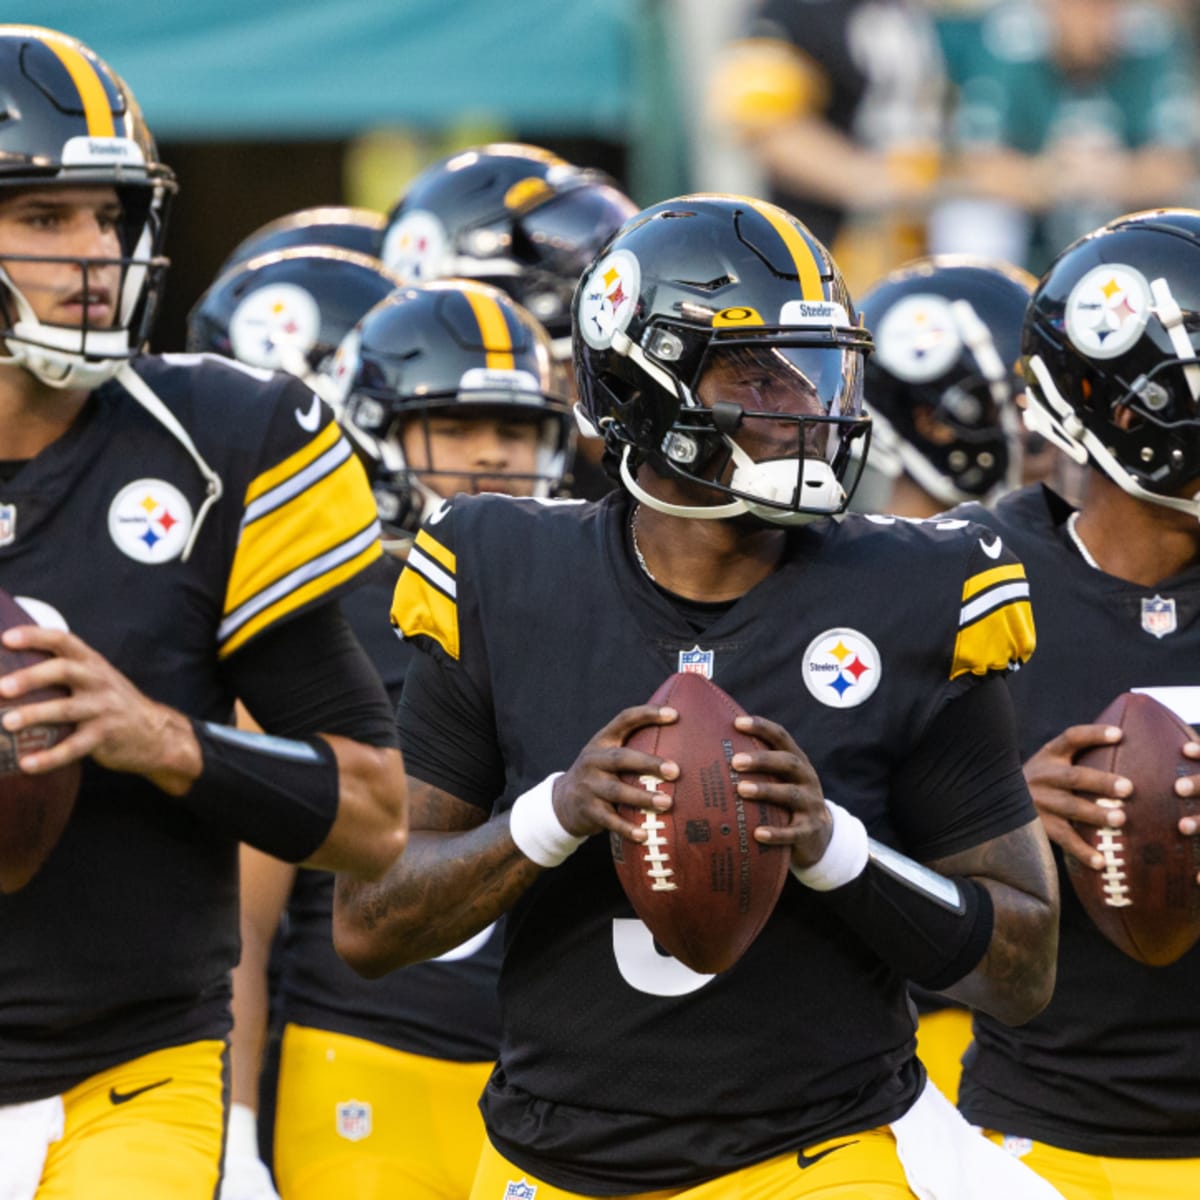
{"x":808,"y":268}
{"x":96,"y":108}
{"x":494,"y":328}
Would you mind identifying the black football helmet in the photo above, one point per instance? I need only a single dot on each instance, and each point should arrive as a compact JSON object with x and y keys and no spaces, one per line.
{"x":67,"y":119}
{"x":515,"y":216}
{"x":443,"y":347}
{"x":1110,"y":355}
{"x":697,"y":281}
{"x":343,"y":226}
{"x":288,"y":309}
{"x":942,"y":383}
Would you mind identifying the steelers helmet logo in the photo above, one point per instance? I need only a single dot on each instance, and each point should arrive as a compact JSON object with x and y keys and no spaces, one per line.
{"x":274,"y":319}
{"x":917,"y":338}
{"x":1107,"y":310}
{"x":608,"y":297}
{"x":150,"y":520}
{"x":345,"y":363}
{"x":841,"y":668}
{"x":417,"y":247}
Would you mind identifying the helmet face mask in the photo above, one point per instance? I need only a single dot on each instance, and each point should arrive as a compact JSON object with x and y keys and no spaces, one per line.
{"x":715,"y":341}
{"x":1112,"y":355}
{"x":942,"y":384}
{"x":445,"y":357}
{"x":70,"y":122}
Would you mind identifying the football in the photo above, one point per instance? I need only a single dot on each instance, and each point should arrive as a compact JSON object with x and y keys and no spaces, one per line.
{"x":1145,"y":899}
{"x":34,"y":809}
{"x":701,"y":883}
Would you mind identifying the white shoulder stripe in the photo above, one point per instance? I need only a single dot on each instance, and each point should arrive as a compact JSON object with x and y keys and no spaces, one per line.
{"x":293,"y":486}
{"x":440,"y":578}
{"x":313,"y":569}
{"x":995,"y":598}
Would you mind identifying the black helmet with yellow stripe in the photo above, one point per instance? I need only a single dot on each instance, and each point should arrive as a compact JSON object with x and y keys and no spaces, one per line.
{"x":67,"y":119}
{"x":731,"y":284}
{"x":513,"y":215}
{"x":449,"y":348}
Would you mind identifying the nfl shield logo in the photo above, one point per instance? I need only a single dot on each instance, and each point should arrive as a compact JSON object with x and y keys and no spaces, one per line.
{"x":1158,"y":616}
{"x":8,"y":524}
{"x":353,"y":1120}
{"x":520,"y":1191}
{"x":696,"y":662}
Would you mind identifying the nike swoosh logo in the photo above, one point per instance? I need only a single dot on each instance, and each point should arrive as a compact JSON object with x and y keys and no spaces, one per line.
{"x":807,"y":1160}
{"x":992,"y":551}
{"x":308,"y":421}
{"x":124,"y":1097}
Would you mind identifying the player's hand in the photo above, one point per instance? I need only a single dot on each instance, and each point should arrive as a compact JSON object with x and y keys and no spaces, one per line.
{"x":586,"y":795}
{"x":794,"y":785}
{"x":1189,"y":785}
{"x":1061,"y":790}
{"x":115,"y":723}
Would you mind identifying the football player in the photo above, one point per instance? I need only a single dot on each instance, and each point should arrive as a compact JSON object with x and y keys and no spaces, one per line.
{"x":289,"y":308}
{"x":180,"y":528}
{"x":523,"y":219}
{"x":941,"y":386}
{"x":379,"y":1083}
{"x":1100,"y":1093}
{"x":717,"y":350}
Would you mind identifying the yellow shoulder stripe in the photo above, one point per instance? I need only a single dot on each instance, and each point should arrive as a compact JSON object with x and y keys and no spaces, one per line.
{"x":436,"y":550}
{"x":421,"y":610}
{"x":985,"y":579}
{"x":293,"y":464}
{"x":996,"y":630}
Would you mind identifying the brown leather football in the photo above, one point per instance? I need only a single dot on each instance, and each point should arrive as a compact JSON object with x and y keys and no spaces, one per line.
{"x":1145,"y":899}
{"x":34,"y":809}
{"x":701,"y":883}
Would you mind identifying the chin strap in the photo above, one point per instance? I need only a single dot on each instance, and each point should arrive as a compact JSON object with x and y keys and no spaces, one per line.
{"x":1048,"y":413}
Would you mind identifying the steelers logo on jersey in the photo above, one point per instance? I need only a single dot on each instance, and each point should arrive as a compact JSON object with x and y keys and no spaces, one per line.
{"x":608,"y":297}
{"x":917,"y":339}
{"x":150,"y":520}
{"x":272,"y":321}
{"x":1107,"y":310}
{"x":841,"y":668}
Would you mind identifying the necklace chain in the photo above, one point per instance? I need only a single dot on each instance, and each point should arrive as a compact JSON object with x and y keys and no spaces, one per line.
{"x":1073,"y":534}
{"x":637,"y":550}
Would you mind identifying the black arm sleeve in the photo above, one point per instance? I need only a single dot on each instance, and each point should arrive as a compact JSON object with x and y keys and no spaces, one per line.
{"x":962,"y":784}
{"x":447,"y":733}
{"x":310,"y":675}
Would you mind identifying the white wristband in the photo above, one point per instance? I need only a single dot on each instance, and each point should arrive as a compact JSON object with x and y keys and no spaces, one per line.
{"x":536,"y":829}
{"x":845,"y":857}
{"x":242,"y":1138}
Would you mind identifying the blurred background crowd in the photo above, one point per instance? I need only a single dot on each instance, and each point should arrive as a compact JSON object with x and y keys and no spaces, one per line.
{"x":892,"y":127}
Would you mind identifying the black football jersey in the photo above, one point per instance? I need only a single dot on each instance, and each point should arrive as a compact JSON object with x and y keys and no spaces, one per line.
{"x":1112,"y":1066}
{"x":443,"y":1009}
{"x":122,"y":943}
{"x":620,"y":1069}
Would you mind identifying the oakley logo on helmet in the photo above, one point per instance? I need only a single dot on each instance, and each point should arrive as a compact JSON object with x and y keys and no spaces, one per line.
{"x":608,"y":297}
{"x":1107,"y":310}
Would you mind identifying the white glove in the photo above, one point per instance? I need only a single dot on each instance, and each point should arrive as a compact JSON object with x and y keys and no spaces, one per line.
{"x":246,"y":1176}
